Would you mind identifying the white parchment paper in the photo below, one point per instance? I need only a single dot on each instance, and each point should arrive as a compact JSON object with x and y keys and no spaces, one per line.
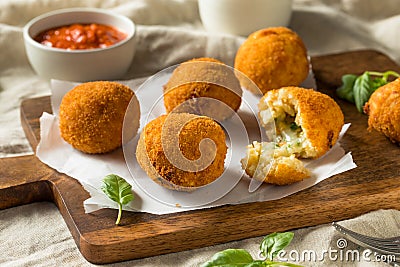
{"x":150,"y":197}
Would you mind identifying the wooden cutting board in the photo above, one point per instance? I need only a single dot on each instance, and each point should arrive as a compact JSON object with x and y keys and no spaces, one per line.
{"x":374,"y":184}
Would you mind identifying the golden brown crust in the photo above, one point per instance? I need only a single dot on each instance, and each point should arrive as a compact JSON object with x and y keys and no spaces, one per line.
{"x":193,"y":81}
{"x":92,"y":114}
{"x":273,"y":58}
{"x":383,"y":110}
{"x":145,"y":164}
{"x":321,"y":118}
{"x":307,"y":123}
{"x":284,"y":172}
{"x":160,"y":167}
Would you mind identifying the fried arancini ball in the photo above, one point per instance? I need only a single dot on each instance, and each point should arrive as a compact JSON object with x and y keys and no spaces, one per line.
{"x":273,"y":58}
{"x":173,"y":150}
{"x":203,"y":86}
{"x":383,"y":109}
{"x":310,"y":120}
{"x":307,"y":125}
{"x":92,"y":114}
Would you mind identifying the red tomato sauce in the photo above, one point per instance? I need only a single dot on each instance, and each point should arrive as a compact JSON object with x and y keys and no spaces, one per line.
{"x":80,"y":36}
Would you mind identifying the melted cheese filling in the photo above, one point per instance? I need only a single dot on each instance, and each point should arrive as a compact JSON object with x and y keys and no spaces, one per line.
{"x":258,"y":159}
{"x":290,"y":139}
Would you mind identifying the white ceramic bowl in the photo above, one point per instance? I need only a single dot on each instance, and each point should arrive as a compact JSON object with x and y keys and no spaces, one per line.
{"x":242,"y":17}
{"x":108,"y":63}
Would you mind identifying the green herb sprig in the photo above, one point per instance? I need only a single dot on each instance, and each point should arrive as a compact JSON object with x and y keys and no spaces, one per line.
{"x":358,"y":89}
{"x":118,"y":190}
{"x":270,"y":246}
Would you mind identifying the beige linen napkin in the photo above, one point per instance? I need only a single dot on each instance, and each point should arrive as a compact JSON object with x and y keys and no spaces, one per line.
{"x":46,"y":241}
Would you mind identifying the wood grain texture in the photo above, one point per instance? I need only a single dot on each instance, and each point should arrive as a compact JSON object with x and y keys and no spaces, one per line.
{"x":374,"y":184}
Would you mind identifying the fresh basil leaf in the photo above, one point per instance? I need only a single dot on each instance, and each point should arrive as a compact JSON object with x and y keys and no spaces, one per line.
{"x":362,"y":90}
{"x":376,"y":83}
{"x":358,"y":89}
{"x":273,"y":243}
{"x":385,"y":75}
{"x":230,"y":258}
{"x":345,"y":91}
{"x":118,"y":190}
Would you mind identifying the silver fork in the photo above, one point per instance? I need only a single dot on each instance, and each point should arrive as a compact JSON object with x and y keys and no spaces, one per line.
{"x":383,"y":246}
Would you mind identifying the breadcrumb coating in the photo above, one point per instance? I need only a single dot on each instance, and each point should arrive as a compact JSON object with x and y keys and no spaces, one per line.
{"x":189,"y":130}
{"x":286,"y":170}
{"x":273,"y":58}
{"x":307,"y":124}
{"x":383,"y":110}
{"x":316,"y":114}
{"x":91,"y":116}
{"x":203,"y":86}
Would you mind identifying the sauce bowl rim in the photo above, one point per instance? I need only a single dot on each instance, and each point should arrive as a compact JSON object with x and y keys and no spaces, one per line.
{"x":130,"y":34}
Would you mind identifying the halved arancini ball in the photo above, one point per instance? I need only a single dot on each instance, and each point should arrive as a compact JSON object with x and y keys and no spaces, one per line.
{"x":307,"y":125}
